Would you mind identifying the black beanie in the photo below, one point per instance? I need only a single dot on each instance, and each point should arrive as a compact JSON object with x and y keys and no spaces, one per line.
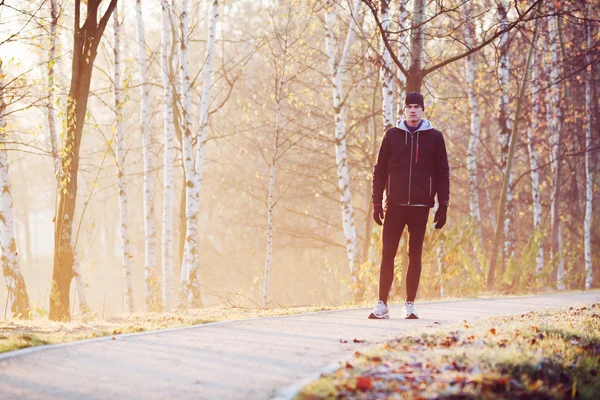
{"x":414,"y":98}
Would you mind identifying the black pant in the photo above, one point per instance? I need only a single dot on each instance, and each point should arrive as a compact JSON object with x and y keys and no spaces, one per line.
{"x":396,"y":218}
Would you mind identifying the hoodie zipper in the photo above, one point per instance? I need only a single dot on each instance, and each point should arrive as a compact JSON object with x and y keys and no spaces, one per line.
{"x":410,"y":169}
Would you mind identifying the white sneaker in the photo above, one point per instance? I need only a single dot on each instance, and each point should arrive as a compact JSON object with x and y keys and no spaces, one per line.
{"x":409,"y":311}
{"x":380,"y":311}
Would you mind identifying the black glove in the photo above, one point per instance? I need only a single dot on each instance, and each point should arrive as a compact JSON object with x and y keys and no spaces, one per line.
{"x":378,"y":214}
{"x":440,"y":216}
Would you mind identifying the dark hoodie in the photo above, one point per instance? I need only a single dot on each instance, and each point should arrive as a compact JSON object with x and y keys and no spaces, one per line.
{"x":412,"y":167}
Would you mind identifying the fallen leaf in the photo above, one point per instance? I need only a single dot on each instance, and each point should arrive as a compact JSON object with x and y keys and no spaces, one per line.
{"x":493,"y":331}
{"x":358,"y":341}
{"x":348,"y":365}
{"x":364,"y":383}
{"x":343,"y":341}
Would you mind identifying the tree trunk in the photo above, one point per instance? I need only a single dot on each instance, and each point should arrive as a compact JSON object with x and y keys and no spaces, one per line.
{"x":50,"y":102}
{"x":414,"y":80}
{"x":402,"y":54}
{"x":169,"y":155}
{"x":533,"y":162}
{"x":511,"y":152}
{"x":474,"y":138}
{"x":337,"y":68}
{"x":556,"y":148}
{"x":504,"y":123}
{"x":387,"y":72}
{"x":121,"y":152}
{"x":18,"y":300}
{"x":86,"y":40}
{"x":151,"y":287}
{"x":589,"y":181}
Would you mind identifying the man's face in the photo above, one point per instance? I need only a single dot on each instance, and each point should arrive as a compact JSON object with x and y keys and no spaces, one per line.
{"x":413,"y":112}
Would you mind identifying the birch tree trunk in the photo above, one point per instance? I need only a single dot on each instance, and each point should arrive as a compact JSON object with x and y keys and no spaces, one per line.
{"x":50,"y":102}
{"x":270,"y":202}
{"x":85,"y":47}
{"x":169,"y":156}
{"x":533,"y":162}
{"x":589,"y":181}
{"x":474,"y":138}
{"x":123,"y":206}
{"x":151,"y":286}
{"x":17,"y":300}
{"x":504,"y":122}
{"x":403,"y":39}
{"x":194,"y":168}
{"x":387,"y":71}
{"x":555,"y":127}
{"x":337,"y":68}
{"x":191,"y":248}
{"x":511,"y":153}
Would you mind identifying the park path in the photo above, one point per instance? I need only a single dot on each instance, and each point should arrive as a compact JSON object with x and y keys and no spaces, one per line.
{"x":244,"y":359}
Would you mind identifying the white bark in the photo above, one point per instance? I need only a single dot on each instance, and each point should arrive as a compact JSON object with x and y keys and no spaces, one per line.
{"x":17,"y":299}
{"x":402,"y":53}
{"x":439,"y":255}
{"x":589,"y":182}
{"x":475,"y":125}
{"x":169,"y":156}
{"x":387,"y":71}
{"x":270,"y":204}
{"x":337,"y":68}
{"x":190,"y":253}
{"x":150,"y":278}
{"x":120,"y":145}
{"x":554,"y":127}
{"x":194,"y":168}
{"x":473,"y":139}
{"x":50,"y":102}
{"x":533,"y":162}
{"x":504,"y":70}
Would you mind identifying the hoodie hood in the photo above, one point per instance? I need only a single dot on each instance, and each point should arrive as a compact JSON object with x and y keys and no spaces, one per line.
{"x":426,"y":125}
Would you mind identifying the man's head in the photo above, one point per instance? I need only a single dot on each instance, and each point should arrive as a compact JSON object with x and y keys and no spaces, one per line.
{"x":413,"y":107}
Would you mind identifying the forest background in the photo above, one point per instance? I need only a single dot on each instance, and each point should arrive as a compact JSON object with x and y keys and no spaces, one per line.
{"x":263,"y":120}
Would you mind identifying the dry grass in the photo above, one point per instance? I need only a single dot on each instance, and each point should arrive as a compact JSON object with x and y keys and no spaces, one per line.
{"x":17,"y":334}
{"x":541,"y":355}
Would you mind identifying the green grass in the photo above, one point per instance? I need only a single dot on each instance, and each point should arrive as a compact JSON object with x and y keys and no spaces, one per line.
{"x":17,"y":334}
{"x":541,"y":355}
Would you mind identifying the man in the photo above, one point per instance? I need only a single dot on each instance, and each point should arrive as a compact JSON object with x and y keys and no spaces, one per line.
{"x":412,"y":167}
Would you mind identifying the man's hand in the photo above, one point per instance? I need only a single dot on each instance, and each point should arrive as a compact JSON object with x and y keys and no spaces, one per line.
{"x":378,"y":213}
{"x":440,"y":216}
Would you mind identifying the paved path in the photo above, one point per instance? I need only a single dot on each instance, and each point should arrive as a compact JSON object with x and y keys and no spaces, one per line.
{"x":246,"y":359}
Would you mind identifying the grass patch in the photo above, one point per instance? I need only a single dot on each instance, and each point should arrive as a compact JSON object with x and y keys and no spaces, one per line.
{"x":17,"y":334}
{"x":541,"y":355}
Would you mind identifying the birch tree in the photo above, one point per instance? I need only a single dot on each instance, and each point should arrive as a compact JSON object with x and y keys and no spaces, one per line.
{"x":194,"y":166}
{"x":121,"y":152}
{"x":337,"y":67}
{"x":475,"y":136}
{"x":555,"y":127}
{"x":589,"y":181}
{"x":86,"y":40}
{"x":52,"y":136}
{"x":151,"y":285}
{"x":387,"y":71}
{"x":17,"y":300}
{"x":168,"y":158}
{"x":504,"y":123}
{"x":533,"y":162}
{"x":403,"y":40}
{"x":511,"y":152}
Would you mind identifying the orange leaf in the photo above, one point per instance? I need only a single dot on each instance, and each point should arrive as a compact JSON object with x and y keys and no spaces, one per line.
{"x":493,"y":331}
{"x":364,"y":383}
